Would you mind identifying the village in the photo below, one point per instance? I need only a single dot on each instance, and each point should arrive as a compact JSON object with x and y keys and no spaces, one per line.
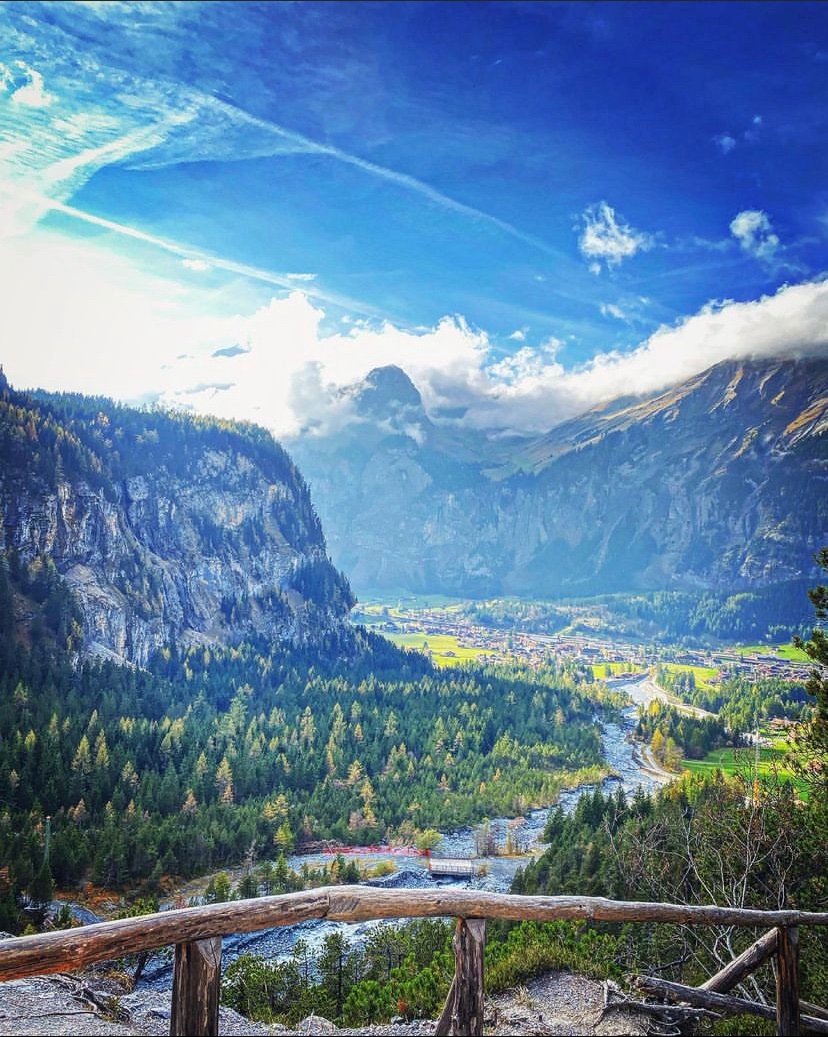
{"x":402,"y":625}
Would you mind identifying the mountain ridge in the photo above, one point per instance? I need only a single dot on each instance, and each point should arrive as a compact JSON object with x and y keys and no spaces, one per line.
{"x":713,"y":484}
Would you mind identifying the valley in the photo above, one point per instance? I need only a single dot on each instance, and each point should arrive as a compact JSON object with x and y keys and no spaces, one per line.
{"x":448,"y":635}
{"x":193,"y":704}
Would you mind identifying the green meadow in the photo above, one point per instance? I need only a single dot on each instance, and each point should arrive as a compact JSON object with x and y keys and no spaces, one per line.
{"x":786,"y":651}
{"x":702,"y":674}
{"x":772,"y":761}
{"x":445,"y":649}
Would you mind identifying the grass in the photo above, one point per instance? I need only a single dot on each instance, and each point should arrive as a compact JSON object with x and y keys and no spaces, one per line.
{"x":786,"y":651}
{"x":702,"y":674}
{"x":445,"y":649}
{"x":742,"y":761}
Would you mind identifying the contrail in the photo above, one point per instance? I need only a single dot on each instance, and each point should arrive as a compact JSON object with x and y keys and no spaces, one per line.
{"x":191,"y":253}
{"x":401,"y":179}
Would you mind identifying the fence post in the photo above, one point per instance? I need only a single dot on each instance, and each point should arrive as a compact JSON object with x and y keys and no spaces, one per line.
{"x":787,"y":981}
{"x":195,"y":991}
{"x":463,"y":1014}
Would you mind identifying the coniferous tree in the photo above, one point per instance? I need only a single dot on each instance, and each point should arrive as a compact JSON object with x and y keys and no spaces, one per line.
{"x":813,"y":742}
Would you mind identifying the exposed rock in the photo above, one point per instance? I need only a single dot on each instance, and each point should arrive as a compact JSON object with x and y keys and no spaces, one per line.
{"x":166,"y":529}
{"x":717,"y":484}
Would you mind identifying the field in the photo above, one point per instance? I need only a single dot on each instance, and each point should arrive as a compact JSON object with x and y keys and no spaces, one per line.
{"x":786,"y":651}
{"x":445,"y":650}
{"x":742,"y":761}
{"x":702,"y":674}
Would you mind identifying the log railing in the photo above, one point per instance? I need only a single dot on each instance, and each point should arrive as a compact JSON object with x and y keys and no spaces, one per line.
{"x":196,"y":933}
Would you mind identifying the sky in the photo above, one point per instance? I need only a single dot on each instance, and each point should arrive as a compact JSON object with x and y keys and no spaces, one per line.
{"x":242,"y":208}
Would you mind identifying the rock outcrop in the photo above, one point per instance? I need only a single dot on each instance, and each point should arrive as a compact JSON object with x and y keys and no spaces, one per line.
{"x":166,"y":529}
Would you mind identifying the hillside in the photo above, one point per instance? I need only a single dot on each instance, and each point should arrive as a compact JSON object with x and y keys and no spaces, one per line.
{"x":717,"y":484}
{"x":164,"y":529}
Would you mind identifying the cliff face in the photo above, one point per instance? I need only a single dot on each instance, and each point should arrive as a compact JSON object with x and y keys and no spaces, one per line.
{"x":166,"y":529}
{"x":717,"y":484}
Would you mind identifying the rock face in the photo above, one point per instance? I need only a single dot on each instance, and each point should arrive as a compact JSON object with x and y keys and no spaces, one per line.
{"x":166,"y":529}
{"x":719,"y":483}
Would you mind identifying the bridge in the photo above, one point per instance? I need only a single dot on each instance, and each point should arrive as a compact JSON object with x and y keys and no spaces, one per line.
{"x":456,"y":867}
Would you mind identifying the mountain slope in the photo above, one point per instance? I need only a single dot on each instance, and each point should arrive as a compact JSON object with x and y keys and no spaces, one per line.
{"x":165,"y":528}
{"x":718,"y":483}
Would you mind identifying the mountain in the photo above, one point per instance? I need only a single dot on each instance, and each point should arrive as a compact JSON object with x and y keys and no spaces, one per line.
{"x":718,"y":483}
{"x":125,"y":530}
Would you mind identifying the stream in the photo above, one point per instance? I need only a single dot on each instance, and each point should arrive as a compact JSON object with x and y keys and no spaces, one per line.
{"x":411,"y":873}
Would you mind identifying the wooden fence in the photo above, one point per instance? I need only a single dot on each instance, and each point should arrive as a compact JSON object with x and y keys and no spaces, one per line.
{"x":196,"y":934}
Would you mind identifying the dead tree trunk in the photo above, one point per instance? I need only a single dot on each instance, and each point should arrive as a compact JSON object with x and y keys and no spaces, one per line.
{"x":748,"y":960}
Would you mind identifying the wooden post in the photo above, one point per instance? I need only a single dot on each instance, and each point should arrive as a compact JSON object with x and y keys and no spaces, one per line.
{"x":195,"y":992}
{"x":787,"y":981}
{"x":463,"y":1013}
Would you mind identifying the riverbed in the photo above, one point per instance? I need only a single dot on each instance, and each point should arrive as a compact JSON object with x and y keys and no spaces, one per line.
{"x":628,"y":771}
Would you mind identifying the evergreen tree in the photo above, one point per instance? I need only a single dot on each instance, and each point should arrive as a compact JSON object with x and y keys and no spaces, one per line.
{"x":42,"y":887}
{"x":813,"y":742}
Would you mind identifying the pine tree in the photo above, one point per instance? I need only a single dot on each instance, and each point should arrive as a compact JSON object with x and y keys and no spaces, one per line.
{"x":812,"y":760}
{"x":42,"y":886}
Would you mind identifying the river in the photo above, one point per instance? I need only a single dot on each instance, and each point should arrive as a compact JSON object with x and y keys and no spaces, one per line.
{"x":628,"y":771}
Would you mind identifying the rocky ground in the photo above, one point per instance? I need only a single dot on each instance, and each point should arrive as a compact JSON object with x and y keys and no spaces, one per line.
{"x":557,"y":1003}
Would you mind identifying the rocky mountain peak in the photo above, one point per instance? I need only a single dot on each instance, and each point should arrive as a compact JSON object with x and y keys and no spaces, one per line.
{"x":388,"y":392}
{"x":714,"y":484}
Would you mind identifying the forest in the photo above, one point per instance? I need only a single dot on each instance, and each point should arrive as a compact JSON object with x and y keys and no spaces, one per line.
{"x":692,"y":619}
{"x":739,"y":701}
{"x":131,"y":775}
{"x":742,"y":840}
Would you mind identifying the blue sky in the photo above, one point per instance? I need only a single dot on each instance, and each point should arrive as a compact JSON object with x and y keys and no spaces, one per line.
{"x":242,"y":207}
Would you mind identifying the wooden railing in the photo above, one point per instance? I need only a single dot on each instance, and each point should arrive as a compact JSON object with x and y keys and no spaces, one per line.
{"x":196,"y":933}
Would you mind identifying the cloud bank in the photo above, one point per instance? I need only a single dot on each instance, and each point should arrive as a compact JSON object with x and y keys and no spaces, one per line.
{"x":292,"y":376}
{"x":112,"y":328}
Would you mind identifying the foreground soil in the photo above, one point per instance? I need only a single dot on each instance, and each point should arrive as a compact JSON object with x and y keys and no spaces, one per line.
{"x":556,"y":1003}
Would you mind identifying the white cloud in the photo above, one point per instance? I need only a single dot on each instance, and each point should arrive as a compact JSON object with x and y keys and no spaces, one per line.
{"x":725,"y":143}
{"x":791,"y":323}
{"x":81,"y":318}
{"x":752,"y":229}
{"x":527,"y":364}
{"x":606,"y":237}
{"x":611,"y":310}
{"x":24,"y":85}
